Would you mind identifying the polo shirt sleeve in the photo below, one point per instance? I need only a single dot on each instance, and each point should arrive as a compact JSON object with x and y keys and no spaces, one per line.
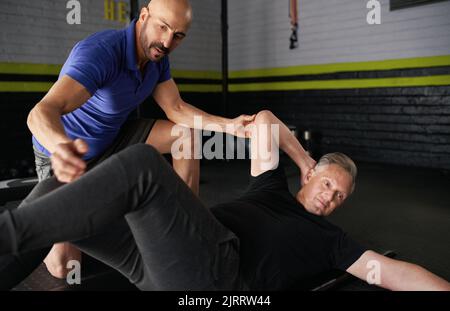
{"x":164,"y":73}
{"x":91,"y":64}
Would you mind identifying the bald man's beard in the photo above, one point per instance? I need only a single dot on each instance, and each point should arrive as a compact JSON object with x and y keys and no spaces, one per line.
{"x":148,"y":47}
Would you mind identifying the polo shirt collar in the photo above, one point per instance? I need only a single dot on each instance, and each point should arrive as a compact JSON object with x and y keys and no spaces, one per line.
{"x":131,"y":55}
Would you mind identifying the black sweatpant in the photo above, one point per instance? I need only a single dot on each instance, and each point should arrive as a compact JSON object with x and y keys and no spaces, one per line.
{"x":135,"y":214}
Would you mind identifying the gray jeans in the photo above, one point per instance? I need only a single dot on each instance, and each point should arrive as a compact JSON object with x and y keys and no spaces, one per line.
{"x":134,"y":213}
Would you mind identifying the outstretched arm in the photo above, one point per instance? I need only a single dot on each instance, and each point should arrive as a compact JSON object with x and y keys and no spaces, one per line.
{"x":168,"y":97}
{"x":268,"y":134}
{"x":394,"y":274}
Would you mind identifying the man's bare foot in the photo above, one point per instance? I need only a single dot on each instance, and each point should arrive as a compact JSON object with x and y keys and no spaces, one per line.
{"x":58,"y":257}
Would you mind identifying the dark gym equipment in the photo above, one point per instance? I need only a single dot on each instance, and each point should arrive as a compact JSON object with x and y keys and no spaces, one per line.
{"x":16,"y":189}
{"x":293,"y":39}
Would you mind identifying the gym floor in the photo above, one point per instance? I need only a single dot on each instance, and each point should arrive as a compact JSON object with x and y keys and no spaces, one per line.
{"x":393,"y":208}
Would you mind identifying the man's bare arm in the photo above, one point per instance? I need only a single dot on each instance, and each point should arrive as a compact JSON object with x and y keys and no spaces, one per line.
{"x":167,"y":96}
{"x":44,"y":121}
{"x":267,"y":125}
{"x":396,"y":274}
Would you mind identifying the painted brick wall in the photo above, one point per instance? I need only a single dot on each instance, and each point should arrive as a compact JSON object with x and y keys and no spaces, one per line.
{"x":37,"y":31}
{"x":407,"y":125}
{"x":332,"y":31}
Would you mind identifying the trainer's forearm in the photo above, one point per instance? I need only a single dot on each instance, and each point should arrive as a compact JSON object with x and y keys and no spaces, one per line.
{"x":45,"y":124}
{"x":184,"y":114}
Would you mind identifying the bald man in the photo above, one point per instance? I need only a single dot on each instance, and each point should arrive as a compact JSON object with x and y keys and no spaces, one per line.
{"x":83,"y":119}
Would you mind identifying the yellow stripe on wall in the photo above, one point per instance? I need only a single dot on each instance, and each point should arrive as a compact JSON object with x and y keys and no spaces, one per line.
{"x":193,"y":74}
{"x":341,"y":84}
{"x":51,"y":69}
{"x":202,"y":88}
{"x":25,"y":86}
{"x":268,"y":86}
{"x":45,"y":86}
{"x":419,"y":62}
{"x":31,"y":69}
{"x":16,"y":68}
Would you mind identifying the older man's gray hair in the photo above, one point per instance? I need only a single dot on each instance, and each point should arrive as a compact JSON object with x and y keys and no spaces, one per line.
{"x":343,"y":161}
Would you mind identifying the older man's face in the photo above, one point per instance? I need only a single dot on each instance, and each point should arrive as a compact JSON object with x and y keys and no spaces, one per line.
{"x":325,"y":189}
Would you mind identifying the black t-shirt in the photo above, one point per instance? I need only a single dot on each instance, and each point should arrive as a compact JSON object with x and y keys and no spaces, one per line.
{"x":280,"y":242}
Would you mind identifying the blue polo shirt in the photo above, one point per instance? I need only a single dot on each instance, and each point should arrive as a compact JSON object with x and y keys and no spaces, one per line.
{"x":106,"y":64}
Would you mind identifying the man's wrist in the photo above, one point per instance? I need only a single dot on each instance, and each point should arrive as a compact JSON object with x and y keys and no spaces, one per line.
{"x":225,"y":124}
{"x":63,"y":140}
{"x":302,"y":160}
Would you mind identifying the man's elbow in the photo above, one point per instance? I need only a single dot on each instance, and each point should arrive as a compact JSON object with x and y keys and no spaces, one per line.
{"x":32,"y":116}
{"x":261,"y":124}
{"x":264,"y":117}
{"x":41,"y":112}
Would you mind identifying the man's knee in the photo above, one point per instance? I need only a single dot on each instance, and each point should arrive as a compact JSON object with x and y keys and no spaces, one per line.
{"x":142,"y":157}
{"x":264,"y":117}
{"x":43,"y":187}
{"x":141,"y":152}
